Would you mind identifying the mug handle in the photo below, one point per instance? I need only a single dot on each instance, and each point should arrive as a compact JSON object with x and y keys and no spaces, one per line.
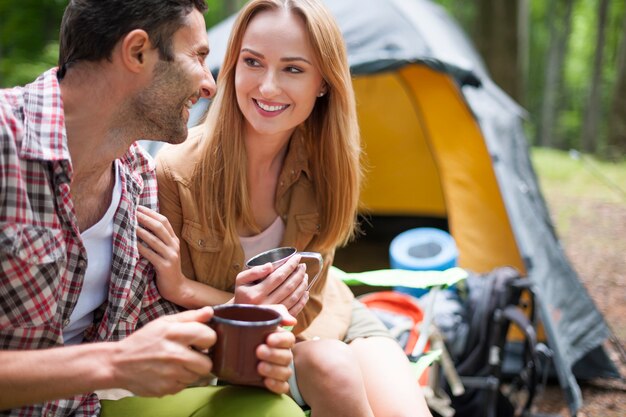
{"x":313,"y":255}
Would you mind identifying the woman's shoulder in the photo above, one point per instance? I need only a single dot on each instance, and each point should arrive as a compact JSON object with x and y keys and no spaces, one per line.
{"x":180,"y":162}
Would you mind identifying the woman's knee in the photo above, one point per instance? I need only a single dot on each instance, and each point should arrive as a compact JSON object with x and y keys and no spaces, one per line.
{"x":328,"y":361}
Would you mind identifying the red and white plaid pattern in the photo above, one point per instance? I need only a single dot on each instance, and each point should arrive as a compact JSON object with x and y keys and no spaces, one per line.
{"x":42,"y":258}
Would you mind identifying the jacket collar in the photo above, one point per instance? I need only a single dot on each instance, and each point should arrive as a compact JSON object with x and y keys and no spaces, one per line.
{"x":296,"y":161}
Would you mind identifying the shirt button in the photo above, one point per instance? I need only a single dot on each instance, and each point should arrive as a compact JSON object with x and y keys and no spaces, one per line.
{"x":282,"y":183}
{"x":66,"y":322}
{"x":81,"y":263}
{"x":201,"y":242}
{"x":284,"y":216}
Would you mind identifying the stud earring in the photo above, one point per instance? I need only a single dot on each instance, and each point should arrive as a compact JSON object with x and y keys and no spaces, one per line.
{"x":321,"y":94}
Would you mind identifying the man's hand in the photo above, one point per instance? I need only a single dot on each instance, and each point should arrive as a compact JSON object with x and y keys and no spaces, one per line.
{"x":166,"y":355}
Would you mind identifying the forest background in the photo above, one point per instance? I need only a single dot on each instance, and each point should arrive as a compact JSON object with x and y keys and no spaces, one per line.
{"x":562,"y":60}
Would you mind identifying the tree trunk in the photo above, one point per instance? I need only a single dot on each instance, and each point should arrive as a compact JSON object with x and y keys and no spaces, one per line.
{"x":497,"y":40}
{"x":560,"y":28}
{"x":523,"y":24}
{"x":617,"y":118}
{"x":593,"y":111}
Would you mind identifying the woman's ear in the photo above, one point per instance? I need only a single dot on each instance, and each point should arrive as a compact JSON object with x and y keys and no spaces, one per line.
{"x":323,"y":90}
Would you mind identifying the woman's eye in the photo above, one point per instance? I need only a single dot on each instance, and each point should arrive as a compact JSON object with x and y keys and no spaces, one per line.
{"x":251,"y":62}
{"x":294,"y":70}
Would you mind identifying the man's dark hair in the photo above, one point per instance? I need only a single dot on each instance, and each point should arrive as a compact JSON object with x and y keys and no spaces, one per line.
{"x":90,"y":29}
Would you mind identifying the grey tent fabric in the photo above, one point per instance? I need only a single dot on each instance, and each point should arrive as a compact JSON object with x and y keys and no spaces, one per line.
{"x":382,"y":35}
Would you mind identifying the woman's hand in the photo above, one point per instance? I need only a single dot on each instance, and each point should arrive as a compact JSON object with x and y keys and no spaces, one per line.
{"x":275,"y":357}
{"x":162,"y":249}
{"x":286,"y":285}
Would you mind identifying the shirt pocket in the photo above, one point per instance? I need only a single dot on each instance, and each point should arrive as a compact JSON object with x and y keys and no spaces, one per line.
{"x":199,"y":239}
{"x":33,"y":259}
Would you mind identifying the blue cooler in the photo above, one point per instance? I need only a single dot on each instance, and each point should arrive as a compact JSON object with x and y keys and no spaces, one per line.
{"x":422,"y":249}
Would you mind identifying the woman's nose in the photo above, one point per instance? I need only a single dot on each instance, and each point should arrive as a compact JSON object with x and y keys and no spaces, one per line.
{"x":269,"y":85}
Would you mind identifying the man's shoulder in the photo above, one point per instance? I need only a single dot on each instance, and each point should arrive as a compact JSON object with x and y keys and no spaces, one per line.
{"x":11,"y":103}
{"x":11,"y":97}
{"x":11,"y":118}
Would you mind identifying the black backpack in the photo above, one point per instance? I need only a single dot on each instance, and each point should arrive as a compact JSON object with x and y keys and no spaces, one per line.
{"x":492,"y":304}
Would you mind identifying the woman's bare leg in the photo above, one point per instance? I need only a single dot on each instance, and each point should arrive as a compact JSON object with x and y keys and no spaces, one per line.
{"x":391,"y":388}
{"x":330,"y":380}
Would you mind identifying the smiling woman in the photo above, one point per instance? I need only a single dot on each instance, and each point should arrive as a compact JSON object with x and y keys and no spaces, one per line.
{"x":272,"y":82}
{"x":277,"y":163}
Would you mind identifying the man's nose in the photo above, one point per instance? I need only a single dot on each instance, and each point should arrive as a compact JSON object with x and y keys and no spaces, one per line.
{"x":208,"y":87}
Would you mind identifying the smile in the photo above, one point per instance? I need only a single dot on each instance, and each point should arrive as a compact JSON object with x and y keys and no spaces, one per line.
{"x":270,"y":108}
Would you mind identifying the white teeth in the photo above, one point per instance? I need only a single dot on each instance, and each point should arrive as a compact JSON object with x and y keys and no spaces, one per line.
{"x":270,"y":108}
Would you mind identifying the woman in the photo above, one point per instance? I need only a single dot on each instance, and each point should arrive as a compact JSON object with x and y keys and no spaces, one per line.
{"x":276,"y":163}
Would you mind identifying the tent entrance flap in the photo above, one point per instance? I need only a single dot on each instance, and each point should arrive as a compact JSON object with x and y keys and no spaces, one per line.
{"x":426,"y":157}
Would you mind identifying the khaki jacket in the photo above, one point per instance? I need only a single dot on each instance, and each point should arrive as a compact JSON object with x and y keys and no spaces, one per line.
{"x":200,"y":247}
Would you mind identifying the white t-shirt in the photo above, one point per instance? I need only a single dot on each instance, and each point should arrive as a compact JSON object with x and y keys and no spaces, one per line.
{"x":98,"y":241}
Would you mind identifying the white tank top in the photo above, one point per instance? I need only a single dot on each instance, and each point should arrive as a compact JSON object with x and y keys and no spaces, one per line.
{"x":98,"y":241}
{"x":267,"y":239}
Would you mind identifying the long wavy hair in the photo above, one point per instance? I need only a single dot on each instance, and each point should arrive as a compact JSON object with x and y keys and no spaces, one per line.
{"x":331,"y":134}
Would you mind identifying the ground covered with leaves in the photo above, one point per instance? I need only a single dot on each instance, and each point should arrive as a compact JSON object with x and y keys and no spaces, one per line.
{"x":593,"y":234}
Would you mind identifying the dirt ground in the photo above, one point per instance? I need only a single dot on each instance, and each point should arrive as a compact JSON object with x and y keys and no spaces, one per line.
{"x":594,"y":239}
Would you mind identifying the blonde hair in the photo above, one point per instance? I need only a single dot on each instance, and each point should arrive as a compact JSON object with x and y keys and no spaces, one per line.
{"x":330,"y":133}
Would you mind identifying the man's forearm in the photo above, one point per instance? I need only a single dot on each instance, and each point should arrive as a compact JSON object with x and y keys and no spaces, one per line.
{"x":35,"y":376}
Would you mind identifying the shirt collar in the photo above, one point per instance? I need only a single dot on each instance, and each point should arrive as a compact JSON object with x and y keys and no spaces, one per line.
{"x":297,"y":158}
{"x":45,"y":137}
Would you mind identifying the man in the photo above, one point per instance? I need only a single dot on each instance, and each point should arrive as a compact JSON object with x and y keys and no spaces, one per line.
{"x":71,"y":178}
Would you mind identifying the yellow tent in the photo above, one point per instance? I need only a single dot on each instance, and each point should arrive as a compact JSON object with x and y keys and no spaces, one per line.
{"x":426,"y":156}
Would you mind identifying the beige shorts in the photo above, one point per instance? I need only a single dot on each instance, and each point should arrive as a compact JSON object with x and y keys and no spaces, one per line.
{"x":364,"y":324}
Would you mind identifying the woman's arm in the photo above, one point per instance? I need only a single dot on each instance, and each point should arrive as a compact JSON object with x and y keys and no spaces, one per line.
{"x":162,"y":248}
{"x":285,"y":285}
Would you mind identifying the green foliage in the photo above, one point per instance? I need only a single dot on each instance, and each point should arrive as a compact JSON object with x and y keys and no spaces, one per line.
{"x":29,"y":33}
{"x":463,"y":11}
{"x":28,"y":38}
{"x":221,"y":9}
{"x":29,"y":45}
{"x":20,"y":71}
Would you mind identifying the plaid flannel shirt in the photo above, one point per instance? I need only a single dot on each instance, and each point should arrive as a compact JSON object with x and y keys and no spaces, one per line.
{"x":42,"y":258}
